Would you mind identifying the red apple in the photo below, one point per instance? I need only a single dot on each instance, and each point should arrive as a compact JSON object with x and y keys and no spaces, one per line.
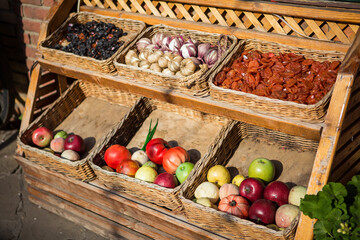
{"x":75,"y":143}
{"x":252,"y":189}
{"x":115,"y":154}
{"x":128,"y":167}
{"x":277,"y":192}
{"x":166,"y":179}
{"x":58,"y":144}
{"x":42,"y":136}
{"x":155,"y":150}
{"x":262,"y":211}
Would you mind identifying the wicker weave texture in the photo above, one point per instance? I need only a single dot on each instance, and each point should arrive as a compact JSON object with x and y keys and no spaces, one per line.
{"x":194,"y":84}
{"x":310,"y":113}
{"x":122,"y":134}
{"x":132,"y":27}
{"x":56,"y":114}
{"x":223,"y":223}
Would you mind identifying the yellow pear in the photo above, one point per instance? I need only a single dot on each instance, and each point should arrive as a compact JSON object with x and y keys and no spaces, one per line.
{"x":238,"y":179}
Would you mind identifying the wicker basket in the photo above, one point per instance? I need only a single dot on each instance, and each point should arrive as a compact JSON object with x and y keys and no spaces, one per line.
{"x":194,"y":84}
{"x":310,"y":113}
{"x":130,"y":126}
{"x":60,"y":112}
{"x":132,"y":27}
{"x":229,"y":152}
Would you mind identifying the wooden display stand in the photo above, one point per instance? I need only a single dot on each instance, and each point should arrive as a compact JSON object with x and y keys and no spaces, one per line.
{"x":111,"y":214}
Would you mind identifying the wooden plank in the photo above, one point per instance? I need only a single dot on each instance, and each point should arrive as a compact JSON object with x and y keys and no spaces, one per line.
{"x":142,"y":211}
{"x":347,"y":134}
{"x":345,"y":164}
{"x":333,"y":14}
{"x":327,"y":147}
{"x":57,"y":15}
{"x":238,"y":32}
{"x":66,"y":209}
{"x":62,"y":83}
{"x":47,"y":89}
{"x":351,"y":61}
{"x":293,"y":127}
{"x":30,"y":98}
{"x":90,"y":205}
{"x":351,"y":117}
{"x":46,"y":100}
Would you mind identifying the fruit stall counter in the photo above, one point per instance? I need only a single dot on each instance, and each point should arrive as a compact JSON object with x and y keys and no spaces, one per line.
{"x":111,"y":101}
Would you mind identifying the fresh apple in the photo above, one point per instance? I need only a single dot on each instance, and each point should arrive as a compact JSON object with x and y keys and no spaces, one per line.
{"x":107,"y":168}
{"x":128,"y":167}
{"x":228,"y":189}
{"x":238,"y":179}
{"x":285,"y":214}
{"x":42,"y":136}
{"x":166,"y":179}
{"x":262,"y":168}
{"x":151,"y":164}
{"x":296,"y":194}
{"x":262,"y":211}
{"x":140,"y":156}
{"x":183,"y":171}
{"x":75,"y":143}
{"x":61,"y":134}
{"x":115,"y":154}
{"x":205,"y":202}
{"x":156,"y":148}
{"x":146,"y":173}
{"x":277,"y":192}
{"x":57,"y":145}
{"x":70,"y":155}
{"x":207,"y":190}
{"x":252,"y":189}
{"x":219,"y":175}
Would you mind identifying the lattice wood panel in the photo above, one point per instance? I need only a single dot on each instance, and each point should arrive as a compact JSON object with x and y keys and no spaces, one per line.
{"x":318,"y":29}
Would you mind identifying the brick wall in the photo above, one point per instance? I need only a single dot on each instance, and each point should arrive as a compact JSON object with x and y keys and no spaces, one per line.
{"x":20,"y":22}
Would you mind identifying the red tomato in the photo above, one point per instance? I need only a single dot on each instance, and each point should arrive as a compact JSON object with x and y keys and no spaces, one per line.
{"x":156,"y":148}
{"x":115,"y":154}
{"x":235,"y":205}
{"x":173,"y":158}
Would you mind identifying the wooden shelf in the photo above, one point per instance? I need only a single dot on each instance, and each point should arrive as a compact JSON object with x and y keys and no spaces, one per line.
{"x":207,"y":105}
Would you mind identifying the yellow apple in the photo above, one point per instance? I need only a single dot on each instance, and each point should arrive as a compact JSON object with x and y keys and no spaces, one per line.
{"x":205,"y":202}
{"x":219,"y":175}
{"x":238,"y":179}
{"x":207,"y":190}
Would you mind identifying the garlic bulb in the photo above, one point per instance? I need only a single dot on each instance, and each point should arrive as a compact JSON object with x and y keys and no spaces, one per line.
{"x":174,"y":64}
{"x":135,"y":62}
{"x":169,"y":55}
{"x":143,"y":55}
{"x":130,"y":54}
{"x":187,"y":67}
{"x":145,"y":64}
{"x":154,"y":57}
{"x":142,"y":43}
{"x":155,"y":67}
{"x":168,"y":72}
{"x":163,"y":62}
{"x":178,"y":73}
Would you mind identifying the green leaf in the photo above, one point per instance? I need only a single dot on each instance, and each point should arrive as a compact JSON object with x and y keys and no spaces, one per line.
{"x":355,"y":181}
{"x":355,"y":211}
{"x":320,"y":231}
{"x":335,"y":191}
{"x":150,"y":134}
{"x":353,"y":188}
{"x":355,"y":234}
{"x":315,"y":206}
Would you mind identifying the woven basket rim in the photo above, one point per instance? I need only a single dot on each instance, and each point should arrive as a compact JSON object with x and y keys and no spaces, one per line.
{"x":241,"y":43}
{"x":182,"y":79}
{"x":237,"y":219}
{"x":42,"y":47}
{"x":133,"y":179}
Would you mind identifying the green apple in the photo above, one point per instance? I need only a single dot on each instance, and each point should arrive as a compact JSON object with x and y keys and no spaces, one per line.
{"x":183,"y":171}
{"x":238,"y":179}
{"x":61,"y":134}
{"x":219,"y":175}
{"x":262,"y":168}
{"x":146,"y":173}
{"x":207,"y":190}
{"x":151,"y":164}
{"x":296,"y":194}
